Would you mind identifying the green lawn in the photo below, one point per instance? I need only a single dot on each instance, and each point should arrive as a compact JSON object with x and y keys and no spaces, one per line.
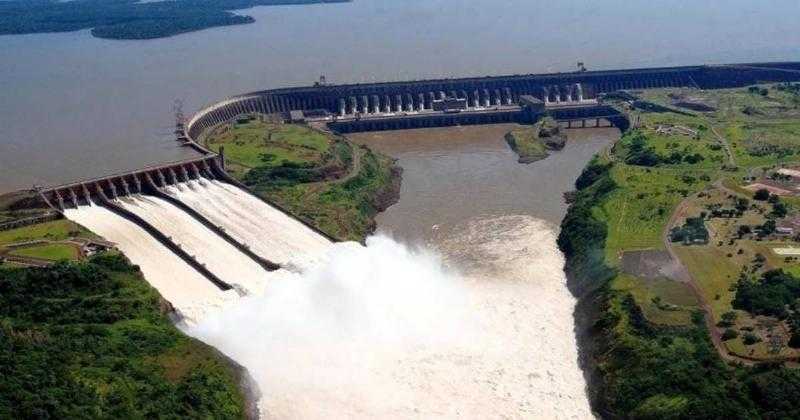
{"x":53,"y":252}
{"x":663,"y":301}
{"x":257,"y":143}
{"x":54,"y":231}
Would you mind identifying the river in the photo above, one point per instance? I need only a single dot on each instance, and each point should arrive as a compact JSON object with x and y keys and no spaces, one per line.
{"x":74,"y":106}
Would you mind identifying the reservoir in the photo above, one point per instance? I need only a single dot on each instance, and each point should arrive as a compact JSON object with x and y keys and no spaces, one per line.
{"x":76,"y":107}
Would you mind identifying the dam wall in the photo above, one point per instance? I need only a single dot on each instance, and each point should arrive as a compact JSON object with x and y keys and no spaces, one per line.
{"x":394,"y":99}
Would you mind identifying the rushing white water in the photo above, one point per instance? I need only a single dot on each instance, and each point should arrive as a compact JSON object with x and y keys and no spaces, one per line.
{"x":383,"y":331}
{"x":190,"y":293}
{"x":219,"y":256}
{"x":267,"y":231}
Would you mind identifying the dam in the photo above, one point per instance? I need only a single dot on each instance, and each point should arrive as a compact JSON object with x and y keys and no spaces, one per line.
{"x":494,"y":99}
{"x":174,"y":222}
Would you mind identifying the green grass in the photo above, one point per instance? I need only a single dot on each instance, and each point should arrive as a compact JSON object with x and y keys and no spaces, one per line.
{"x":344,"y":210}
{"x":525,"y":142}
{"x":258,"y":143}
{"x":52,"y":252}
{"x":639,"y":209}
{"x":56,"y":230}
{"x":676,"y":300}
{"x":772,"y":120}
{"x":310,"y":173}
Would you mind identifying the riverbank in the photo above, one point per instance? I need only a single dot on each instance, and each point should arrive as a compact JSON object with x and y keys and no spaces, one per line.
{"x":323,"y":179}
{"x":648,"y":333}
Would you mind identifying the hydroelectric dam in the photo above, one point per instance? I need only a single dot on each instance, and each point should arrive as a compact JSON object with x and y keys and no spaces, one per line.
{"x":203,"y":239}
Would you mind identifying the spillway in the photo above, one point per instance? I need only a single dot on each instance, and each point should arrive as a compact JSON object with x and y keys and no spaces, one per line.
{"x":190,"y":293}
{"x":269,"y":232}
{"x":219,"y":256}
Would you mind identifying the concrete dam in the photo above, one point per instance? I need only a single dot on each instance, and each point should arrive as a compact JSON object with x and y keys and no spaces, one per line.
{"x":426,"y":103}
{"x":201,"y":241}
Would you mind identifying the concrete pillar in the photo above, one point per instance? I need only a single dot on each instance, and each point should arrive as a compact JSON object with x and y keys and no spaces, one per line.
{"x":387,"y":104}
{"x":125,"y":186}
{"x":185,"y":173}
{"x":172,"y":176}
{"x":137,"y":182}
{"x":162,"y":178}
{"x":486,"y":98}
{"x":497,"y":99}
{"x":208,"y":170}
{"x":579,"y":90}
{"x":73,"y":197}
{"x":409,"y":102}
{"x":87,"y":195}
{"x":376,"y":104}
{"x":398,"y":103}
{"x":60,"y":199}
{"x":509,"y":98}
{"x":353,"y":105}
{"x":421,"y":102}
{"x":476,"y":99}
{"x":364,"y":104}
{"x":110,"y":187}
{"x":342,"y":107}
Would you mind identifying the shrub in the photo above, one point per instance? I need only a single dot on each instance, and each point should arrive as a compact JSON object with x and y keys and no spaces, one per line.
{"x":750,"y":339}
{"x":729,"y":334}
{"x":761,"y":194}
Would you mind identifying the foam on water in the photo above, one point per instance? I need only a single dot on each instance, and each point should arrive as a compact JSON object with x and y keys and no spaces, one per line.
{"x":190,"y":293}
{"x":384,"y":331}
{"x":266,"y":230}
{"x":219,"y":256}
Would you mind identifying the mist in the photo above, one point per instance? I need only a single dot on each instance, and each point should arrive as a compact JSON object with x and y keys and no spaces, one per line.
{"x":391,"y":331}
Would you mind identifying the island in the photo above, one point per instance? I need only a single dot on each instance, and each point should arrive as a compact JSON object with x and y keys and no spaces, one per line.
{"x":128,"y":19}
{"x":532,"y":143}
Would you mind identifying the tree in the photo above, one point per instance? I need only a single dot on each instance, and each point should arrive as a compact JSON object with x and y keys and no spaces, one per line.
{"x":761,"y":195}
{"x":729,"y":318}
{"x":750,"y":339}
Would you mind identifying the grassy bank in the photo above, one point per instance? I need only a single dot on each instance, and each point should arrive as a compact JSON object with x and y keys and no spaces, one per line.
{"x":92,"y":340}
{"x":321,"y":178}
{"x":650,"y":347}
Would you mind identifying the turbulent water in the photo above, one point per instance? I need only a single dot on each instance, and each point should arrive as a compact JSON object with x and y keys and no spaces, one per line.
{"x":267,"y":231}
{"x":385,"y":331}
{"x":466,"y":315}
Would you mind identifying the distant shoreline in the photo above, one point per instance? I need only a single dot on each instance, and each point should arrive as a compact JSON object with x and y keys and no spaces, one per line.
{"x":131,"y":19}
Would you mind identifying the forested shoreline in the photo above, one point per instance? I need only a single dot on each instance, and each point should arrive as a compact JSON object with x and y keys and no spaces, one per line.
{"x":128,"y":19}
{"x":93,"y":340}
